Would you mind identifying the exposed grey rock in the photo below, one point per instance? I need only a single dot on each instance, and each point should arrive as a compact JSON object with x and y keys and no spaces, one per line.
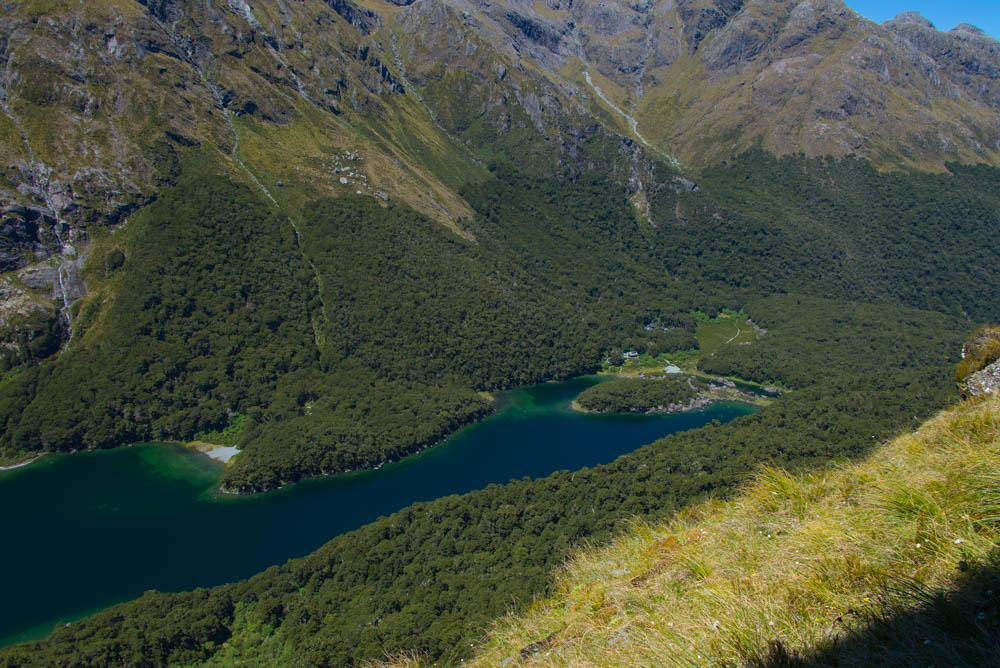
{"x":19,"y":234}
{"x":699,"y":23}
{"x":782,"y":80}
{"x":72,"y":286}
{"x":908,"y":17}
{"x":243,"y":9}
{"x":965,"y":57}
{"x":42,"y":277}
{"x":535,"y":30}
{"x":742,"y":41}
{"x":811,"y":19}
{"x":363,"y":19}
{"x":167,"y":11}
{"x":604,"y":19}
{"x":682,"y":185}
{"x":983,"y":382}
{"x":59,"y":277}
{"x":966,"y":28}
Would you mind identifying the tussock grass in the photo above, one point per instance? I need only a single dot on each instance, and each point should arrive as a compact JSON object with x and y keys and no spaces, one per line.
{"x":896,"y":554}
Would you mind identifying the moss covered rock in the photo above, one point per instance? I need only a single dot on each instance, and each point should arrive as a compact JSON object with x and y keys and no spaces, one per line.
{"x":979,"y":371}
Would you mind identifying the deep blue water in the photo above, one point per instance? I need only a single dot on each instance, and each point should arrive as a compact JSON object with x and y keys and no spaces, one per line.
{"x":83,"y":532}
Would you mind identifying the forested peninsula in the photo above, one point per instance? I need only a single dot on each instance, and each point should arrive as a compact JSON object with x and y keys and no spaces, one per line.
{"x":646,"y":395}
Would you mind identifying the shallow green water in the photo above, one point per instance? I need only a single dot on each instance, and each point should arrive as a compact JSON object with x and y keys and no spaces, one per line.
{"x":86,"y":531}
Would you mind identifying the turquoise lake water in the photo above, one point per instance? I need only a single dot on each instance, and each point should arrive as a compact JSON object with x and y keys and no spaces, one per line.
{"x":82,"y":532}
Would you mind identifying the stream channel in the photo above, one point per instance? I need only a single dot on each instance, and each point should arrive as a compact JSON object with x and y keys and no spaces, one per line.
{"x":85,"y":531}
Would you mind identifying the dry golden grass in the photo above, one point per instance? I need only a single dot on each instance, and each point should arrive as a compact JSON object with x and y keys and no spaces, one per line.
{"x":794,"y":562}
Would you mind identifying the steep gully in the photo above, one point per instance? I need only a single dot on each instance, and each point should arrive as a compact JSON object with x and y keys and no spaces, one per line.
{"x":629,"y":118}
{"x":40,"y":177}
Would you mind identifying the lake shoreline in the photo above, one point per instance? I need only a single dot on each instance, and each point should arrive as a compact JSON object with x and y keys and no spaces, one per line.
{"x":718,"y":390}
{"x":154,"y":505}
{"x":21,"y":465}
{"x":421,"y":448}
{"x":698,"y":403}
{"x":220,"y":453}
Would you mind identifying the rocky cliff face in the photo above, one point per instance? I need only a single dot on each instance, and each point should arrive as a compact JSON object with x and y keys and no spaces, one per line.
{"x":100,"y":102}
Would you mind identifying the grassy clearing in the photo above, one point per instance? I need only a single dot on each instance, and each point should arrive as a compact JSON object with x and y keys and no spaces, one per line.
{"x":728,"y":329}
{"x":895,"y":554}
{"x":644,"y":364}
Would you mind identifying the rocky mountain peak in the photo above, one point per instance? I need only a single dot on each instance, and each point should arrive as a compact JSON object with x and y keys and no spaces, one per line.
{"x":908,"y":18}
{"x":967,"y":28}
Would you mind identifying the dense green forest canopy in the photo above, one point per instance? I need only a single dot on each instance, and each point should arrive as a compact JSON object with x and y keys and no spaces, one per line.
{"x":432,"y":576}
{"x":838,"y":228}
{"x":364,"y":332}
{"x":638,"y":395}
{"x":199,"y":323}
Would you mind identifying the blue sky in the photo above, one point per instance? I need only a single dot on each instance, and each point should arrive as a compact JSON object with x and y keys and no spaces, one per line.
{"x":945,"y":14}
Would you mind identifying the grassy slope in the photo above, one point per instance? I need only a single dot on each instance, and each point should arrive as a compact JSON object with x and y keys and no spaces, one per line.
{"x":895,"y":554}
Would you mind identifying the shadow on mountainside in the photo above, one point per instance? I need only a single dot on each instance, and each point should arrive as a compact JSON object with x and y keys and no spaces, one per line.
{"x":912,"y":626}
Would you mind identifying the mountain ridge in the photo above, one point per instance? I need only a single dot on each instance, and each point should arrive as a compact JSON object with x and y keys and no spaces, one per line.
{"x":694,"y":80}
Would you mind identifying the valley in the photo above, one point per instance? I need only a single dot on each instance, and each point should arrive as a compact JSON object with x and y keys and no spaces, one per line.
{"x":371,"y":250}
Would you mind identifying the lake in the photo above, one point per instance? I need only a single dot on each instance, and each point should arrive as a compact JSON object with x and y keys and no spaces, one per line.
{"x":82,"y":532}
